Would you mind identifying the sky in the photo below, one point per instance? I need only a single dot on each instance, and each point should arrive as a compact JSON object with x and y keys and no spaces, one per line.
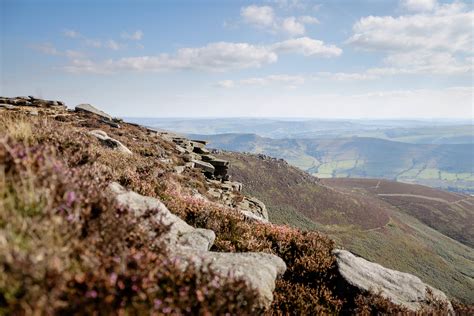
{"x":273,"y":58}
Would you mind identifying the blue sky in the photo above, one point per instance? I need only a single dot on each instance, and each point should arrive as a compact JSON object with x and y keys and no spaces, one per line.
{"x":284,"y":58}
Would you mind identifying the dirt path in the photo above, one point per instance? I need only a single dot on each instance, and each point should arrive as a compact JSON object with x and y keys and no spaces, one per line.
{"x":421,"y":197}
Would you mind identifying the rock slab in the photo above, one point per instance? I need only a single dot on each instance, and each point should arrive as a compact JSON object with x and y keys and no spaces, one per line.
{"x":401,"y":288}
{"x":91,"y":109}
{"x":109,"y":141}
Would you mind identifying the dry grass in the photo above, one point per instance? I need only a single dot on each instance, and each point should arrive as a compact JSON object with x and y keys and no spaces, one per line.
{"x":19,"y":128}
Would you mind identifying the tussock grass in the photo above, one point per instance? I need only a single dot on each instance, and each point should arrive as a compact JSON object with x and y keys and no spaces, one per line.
{"x":19,"y":128}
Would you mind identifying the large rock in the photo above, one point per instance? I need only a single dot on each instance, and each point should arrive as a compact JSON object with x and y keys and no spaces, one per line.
{"x":205,"y":166}
{"x":179,"y":231}
{"x":109,"y":141}
{"x":253,"y":208}
{"x":190,"y":246}
{"x":259,"y":270}
{"x":218,"y":162}
{"x":7,"y":106}
{"x":401,"y":288}
{"x":90,"y":109}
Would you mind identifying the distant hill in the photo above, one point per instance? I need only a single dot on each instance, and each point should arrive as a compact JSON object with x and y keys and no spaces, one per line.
{"x":373,"y":226}
{"x":448,"y":166}
{"x":409,"y":131}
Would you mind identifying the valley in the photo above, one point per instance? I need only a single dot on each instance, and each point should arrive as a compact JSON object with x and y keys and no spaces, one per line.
{"x":446,"y":166}
{"x":435,"y":153}
{"x":372,"y":218}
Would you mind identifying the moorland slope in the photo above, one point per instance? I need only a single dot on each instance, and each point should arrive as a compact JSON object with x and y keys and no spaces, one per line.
{"x":101,"y":216}
{"x":365,"y":223}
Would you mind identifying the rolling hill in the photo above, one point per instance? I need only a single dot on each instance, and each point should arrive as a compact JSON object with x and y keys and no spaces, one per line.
{"x":366,"y":223}
{"x":409,"y":131}
{"x":448,"y":166}
{"x":450,"y":213}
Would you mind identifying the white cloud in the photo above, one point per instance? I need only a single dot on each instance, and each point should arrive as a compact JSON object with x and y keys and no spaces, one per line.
{"x":71,"y":33}
{"x":345,"y":76}
{"x":135,"y":36}
{"x":308,"y":47}
{"x":96,"y":43}
{"x":85,"y":66}
{"x":113,"y":45}
{"x":46,"y":48}
{"x":217,"y":57}
{"x":427,"y":62}
{"x":434,"y":42}
{"x":74,"y":54}
{"x":49,"y":49}
{"x":263,"y":17}
{"x":258,"y":15}
{"x":447,"y":28}
{"x":306,"y":19}
{"x":290,"y":4}
{"x":411,"y":63}
{"x":292,"y":27}
{"x":226,"y":84}
{"x":287,"y":80}
{"x":93,"y":43}
{"x":221,"y":56}
{"x":419,"y":5}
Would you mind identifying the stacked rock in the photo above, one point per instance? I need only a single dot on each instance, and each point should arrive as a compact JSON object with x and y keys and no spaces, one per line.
{"x":30,"y":101}
{"x":195,"y":151}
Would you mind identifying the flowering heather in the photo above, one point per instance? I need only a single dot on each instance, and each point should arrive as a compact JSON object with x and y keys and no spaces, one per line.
{"x":67,"y":248}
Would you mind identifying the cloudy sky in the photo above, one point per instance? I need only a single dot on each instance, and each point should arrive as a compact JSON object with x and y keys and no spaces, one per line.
{"x":271,"y":58}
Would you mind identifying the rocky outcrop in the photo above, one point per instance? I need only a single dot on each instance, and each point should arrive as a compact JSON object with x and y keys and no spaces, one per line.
{"x":90,"y":109}
{"x":253,"y":207}
{"x":215,"y":169}
{"x":191,"y":245}
{"x":196,"y":152}
{"x":401,"y":288}
{"x":31,"y":101}
{"x":204,"y":166}
{"x":109,"y":141}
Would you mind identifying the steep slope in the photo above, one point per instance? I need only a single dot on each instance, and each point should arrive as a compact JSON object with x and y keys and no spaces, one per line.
{"x":360,"y":221}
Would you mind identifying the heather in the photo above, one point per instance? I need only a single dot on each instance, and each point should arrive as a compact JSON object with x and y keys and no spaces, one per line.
{"x":66,"y":247}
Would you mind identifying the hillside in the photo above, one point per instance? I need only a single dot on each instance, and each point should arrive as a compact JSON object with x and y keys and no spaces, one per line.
{"x":448,"y":166}
{"x":99,"y":216}
{"x":449,"y":213}
{"x":364,"y":222}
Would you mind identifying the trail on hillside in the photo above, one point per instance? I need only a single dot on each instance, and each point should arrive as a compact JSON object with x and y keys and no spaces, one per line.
{"x":421,"y":197}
